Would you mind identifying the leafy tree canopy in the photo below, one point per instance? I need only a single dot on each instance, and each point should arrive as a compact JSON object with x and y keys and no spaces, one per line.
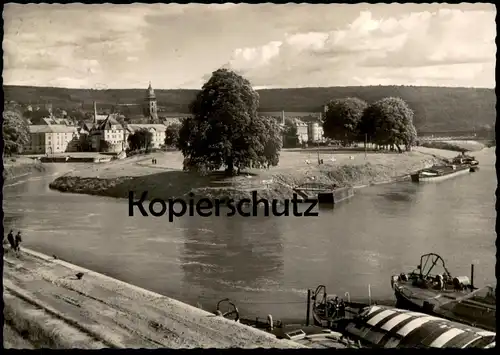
{"x":172,"y":134}
{"x":225,"y":129}
{"x":390,"y":121}
{"x":290,"y":135}
{"x":15,"y":131}
{"x":141,"y":138}
{"x":342,"y":118}
{"x":271,"y":138}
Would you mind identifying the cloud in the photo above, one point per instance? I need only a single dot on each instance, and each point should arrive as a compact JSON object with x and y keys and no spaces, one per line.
{"x":69,"y":42}
{"x":435,"y":46}
{"x":272,"y":45}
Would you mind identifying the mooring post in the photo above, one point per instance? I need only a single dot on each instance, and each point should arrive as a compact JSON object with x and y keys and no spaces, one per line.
{"x":308,"y":313}
{"x":472,"y":275}
{"x":369,"y":294}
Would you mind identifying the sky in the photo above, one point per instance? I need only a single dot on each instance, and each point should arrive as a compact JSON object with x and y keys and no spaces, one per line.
{"x":274,"y":46}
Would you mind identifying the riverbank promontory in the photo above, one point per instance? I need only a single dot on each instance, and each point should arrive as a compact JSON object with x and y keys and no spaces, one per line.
{"x":166,"y":180}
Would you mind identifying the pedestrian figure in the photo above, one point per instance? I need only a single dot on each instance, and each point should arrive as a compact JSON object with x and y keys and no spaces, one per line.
{"x":17,"y":241}
{"x":152,"y":160}
{"x":10,"y":238}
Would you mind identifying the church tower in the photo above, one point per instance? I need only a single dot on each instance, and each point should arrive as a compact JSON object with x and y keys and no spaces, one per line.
{"x":150,"y":108}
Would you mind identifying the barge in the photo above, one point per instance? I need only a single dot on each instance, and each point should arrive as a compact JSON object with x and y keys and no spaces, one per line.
{"x":326,"y":195}
{"x":374,"y":326}
{"x":440,"y":294}
{"x":439,"y":173}
{"x":460,"y":165}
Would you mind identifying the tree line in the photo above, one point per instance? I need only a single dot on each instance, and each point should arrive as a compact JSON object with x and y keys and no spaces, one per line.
{"x":225,"y":129}
{"x":386,"y":122}
{"x":436,"y":108}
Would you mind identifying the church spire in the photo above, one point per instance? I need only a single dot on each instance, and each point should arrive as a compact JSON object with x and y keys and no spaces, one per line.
{"x":150,"y":109}
{"x":150,"y":92}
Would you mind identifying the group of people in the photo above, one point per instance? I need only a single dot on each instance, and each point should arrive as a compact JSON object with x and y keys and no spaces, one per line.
{"x":15,"y":241}
{"x":153,"y":161}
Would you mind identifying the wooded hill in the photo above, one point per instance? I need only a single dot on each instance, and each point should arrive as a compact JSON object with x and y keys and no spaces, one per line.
{"x":437,"y":109}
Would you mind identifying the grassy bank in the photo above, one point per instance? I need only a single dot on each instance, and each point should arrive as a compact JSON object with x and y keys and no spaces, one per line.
{"x":19,"y":166}
{"x":167,"y":180}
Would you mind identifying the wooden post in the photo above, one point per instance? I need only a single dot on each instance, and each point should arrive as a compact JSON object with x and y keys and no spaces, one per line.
{"x":308,"y":313}
{"x":472,"y":275}
{"x":366,"y":143}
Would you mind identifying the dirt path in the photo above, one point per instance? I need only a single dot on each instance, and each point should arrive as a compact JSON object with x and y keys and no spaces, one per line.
{"x":42,"y":293}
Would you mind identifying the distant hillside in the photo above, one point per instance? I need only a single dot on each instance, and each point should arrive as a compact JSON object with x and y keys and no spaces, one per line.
{"x":436,"y":109}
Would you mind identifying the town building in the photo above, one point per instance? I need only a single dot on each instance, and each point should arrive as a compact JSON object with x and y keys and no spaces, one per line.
{"x":51,"y":139}
{"x":108,"y":135}
{"x":315,"y":132}
{"x":302,"y":131}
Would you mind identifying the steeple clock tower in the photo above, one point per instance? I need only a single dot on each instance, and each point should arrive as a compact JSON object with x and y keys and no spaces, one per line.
{"x":150,"y":107}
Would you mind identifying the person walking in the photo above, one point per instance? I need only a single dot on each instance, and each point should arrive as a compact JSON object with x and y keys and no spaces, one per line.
{"x":17,"y":242}
{"x":10,"y":239}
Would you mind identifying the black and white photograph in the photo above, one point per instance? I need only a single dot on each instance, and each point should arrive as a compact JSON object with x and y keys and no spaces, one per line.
{"x":287,"y":176}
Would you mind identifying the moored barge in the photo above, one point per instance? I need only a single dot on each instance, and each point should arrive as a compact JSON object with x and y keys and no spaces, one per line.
{"x":439,"y":173}
{"x":374,"y":326}
{"x":431,"y":289}
{"x":460,"y":165}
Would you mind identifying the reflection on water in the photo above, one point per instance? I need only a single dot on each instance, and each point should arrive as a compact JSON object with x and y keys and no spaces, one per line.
{"x":267,"y":264}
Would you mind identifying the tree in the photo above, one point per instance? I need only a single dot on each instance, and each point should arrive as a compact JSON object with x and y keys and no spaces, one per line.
{"x":389,"y":121}
{"x":15,"y":131}
{"x":172,"y":134}
{"x":290,"y":135}
{"x":271,"y":138}
{"x":141,"y":138}
{"x":104,"y":145}
{"x":342,"y":119}
{"x":85,"y":143}
{"x":224,"y":130}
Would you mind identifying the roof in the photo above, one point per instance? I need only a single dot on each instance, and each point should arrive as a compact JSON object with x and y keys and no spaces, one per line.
{"x":52,"y":129}
{"x":100,"y":117}
{"x":172,"y":120}
{"x":149,"y":126}
{"x":390,"y":327}
{"x":108,"y":122}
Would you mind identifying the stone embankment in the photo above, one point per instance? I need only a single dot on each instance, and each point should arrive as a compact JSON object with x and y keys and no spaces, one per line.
{"x":48,"y":306}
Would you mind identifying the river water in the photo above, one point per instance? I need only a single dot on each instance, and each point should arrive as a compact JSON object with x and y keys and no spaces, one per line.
{"x":266,"y":264}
